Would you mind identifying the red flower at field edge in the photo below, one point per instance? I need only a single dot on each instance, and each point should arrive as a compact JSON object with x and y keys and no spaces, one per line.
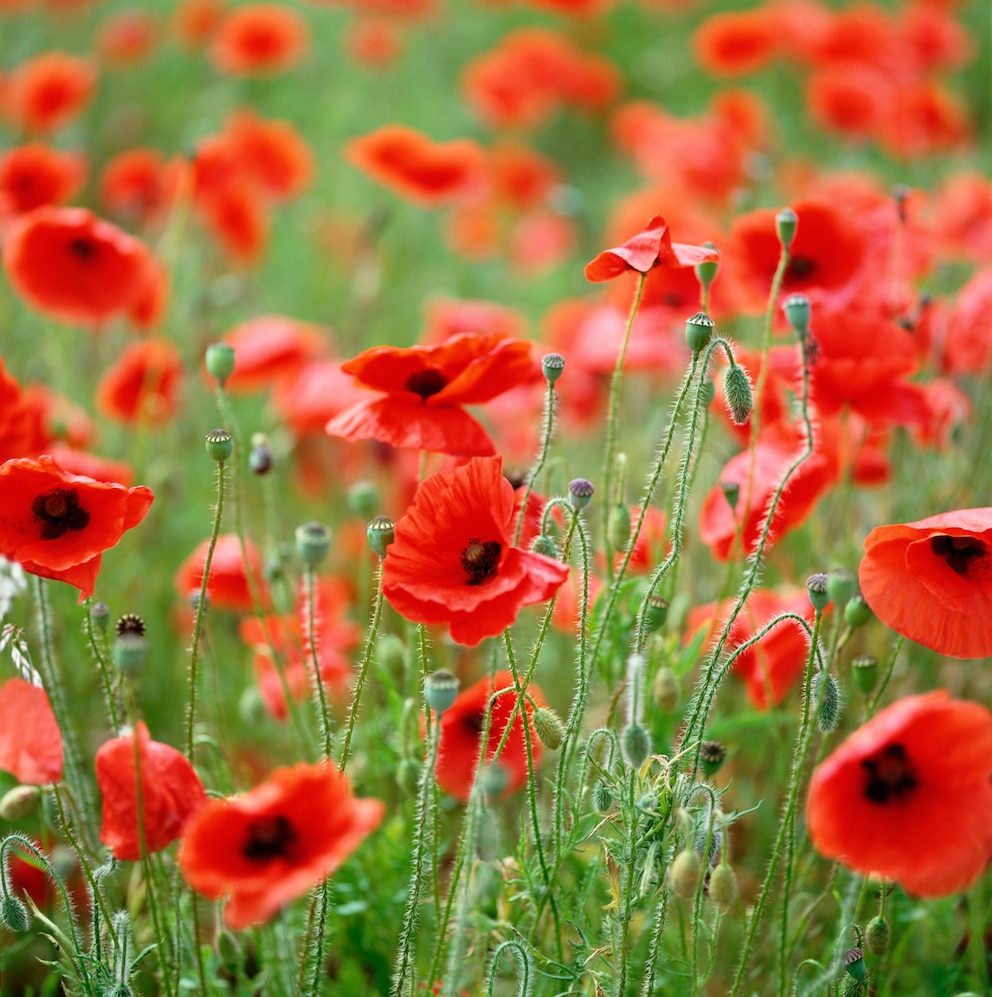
{"x":453,"y":562}
{"x":425,"y":388}
{"x":931,"y":581}
{"x":171,"y":792}
{"x":460,"y":747}
{"x":73,"y":266}
{"x":271,"y":845}
{"x":30,"y":739}
{"x":43,"y":503}
{"x":651,"y":247}
{"x":908,"y":796}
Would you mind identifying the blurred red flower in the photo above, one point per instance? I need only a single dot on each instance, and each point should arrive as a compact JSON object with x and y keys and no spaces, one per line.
{"x":259,"y":39}
{"x":73,"y":266}
{"x":194,"y":21}
{"x":23,"y":424}
{"x":425,"y":388}
{"x":272,"y":152}
{"x":735,"y":43}
{"x":453,"y":561}
{"x":127,"y":36}
{"x":30,"y":739}
{"x":227,"y":586}
{"x":272,"y":349}
{"x":171,"y":792}
{"x":931,"y":581}
{"x":42,"y":504}
{"x":138,"y":185}
{"x":908,"y":796}
{"x":35,"y":174}
{"x":416,"y":167}
{"x":48,"y":91}
{"x":651,"y":247}
{"x":271,"y":845}
{"x":142,"y":385}
{"x":460,"y":744}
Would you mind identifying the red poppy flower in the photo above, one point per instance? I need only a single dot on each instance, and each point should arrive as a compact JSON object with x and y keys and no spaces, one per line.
{"x":227,"y":586}
{"x":271,"y":845}
{"x":851,"y":102}
{"x":138,"y":185}
{"x":735,"y":43}
{"x":967,"y":344}
{"x":126,"y":37}
{"x":48,"y":91}
{"x":964,"y":213}
{"x":73,"y":266}
{"x":273,"y":153}
{"x":237,"y":218}
{"x":771,"y":666}
{"x":373,"y":40}
{"x":908,"y":796}
{"x":260,"y":39}
{"x":43,"y":504}
{"x":425,"y":388}
{"x":33,"y":175}
{"x":651,"y":247}
{"x":195,"y":21}
{"x":30,"y":739}
{"x":171,"y":792}
{"x":319,"y":391}
{"x":92,"y":465}
{"x":143,"y":383}
{"x":270,"y":349}
{"x":460,"y":744}
{"x":416,"y":167}
{"x":23,"y":423}
{"x":453,"y":561}
{"x":931,"y":581}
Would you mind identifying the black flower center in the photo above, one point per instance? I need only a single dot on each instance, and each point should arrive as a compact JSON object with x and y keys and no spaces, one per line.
{"x":82,"y":248}
{"x":964,"y":555}
{"x":426,"y":383}
{"x":472,"y":723}
{"x":59,"y":511}
{"x":800,"y":268}
{"x":269,"y":838}
{"x":480,"y":561}
{"x":888,"y":775}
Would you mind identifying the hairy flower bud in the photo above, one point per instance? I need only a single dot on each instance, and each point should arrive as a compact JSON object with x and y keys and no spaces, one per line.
{"x":737,"y":392}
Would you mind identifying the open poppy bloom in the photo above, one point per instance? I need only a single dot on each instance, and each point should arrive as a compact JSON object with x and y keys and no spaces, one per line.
{"x":142,"y":385}
{"x":30,"y":740}
{"x":908,"y":796}
{"x":171,"y":792}
{"x":460,"y":745}
{"x":57,"y":525}
{"x":271,"y":349}
{"x":35,"y":174}
{"x":271,"y":845}
{"x":425,"y":388}
{"x":453,"y":562}
{"x":73,"y":266}
{"x":651,"y":247}
{"x":260,"y":39}
{"x":48,"y":91}
{"x":931,"y":581}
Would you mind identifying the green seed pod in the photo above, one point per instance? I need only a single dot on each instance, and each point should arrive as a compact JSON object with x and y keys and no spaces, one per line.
{"x":706,"y":272}
{"x":842,"y":584}
{"x":381,"y":532}
{"x":665,"y":689}
{"x":737,"y":392}
{"x":722,"y":887}
{"x":785,"y":224}
{"x":549,"y":727}
{"x":20,"y":802}
{"x":130,"y":651}
{"x":636,"y":744}
{"x":684,"y":873}
{"x":878,"y":935}
{"x":857,"y":612}
{"x":363,"y":499}
{"x":552,"y":364}
{"x":313,"y":543}
{"x":797,"y":311}
{"x":220,"y":360}
{"x":731,"y":492}
{"x":656,"y":612}
{"x":864,"y":668}
{"x":712,"y":755}
{"x":816,"y":589}
{"x":829,"y":702}
{"x":854,"y":963}
{"x":618,"y":527}
{"x":543,"y":544}
{"x":220,"y":444}
{"x":602,"y":798}
{"x":14,"y":914}
{"x":698,"y":331}
{"x":580,"y":492}
{"x":440,"y":690}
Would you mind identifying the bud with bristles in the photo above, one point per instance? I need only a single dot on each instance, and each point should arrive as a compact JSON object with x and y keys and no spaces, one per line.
{"x":13,"y":914}
{"x":737,"y":393}
{"x":785,"y":225}
{"x":549,"y":728}
{"x":618,"y":527}
{"x":722,"y":887}
{"x":543,"y":544}
{"x":829,"y":702}
{"x":636,"y":745}
{"x":602,"y":798}
{"x":707,"y":392}
{"x":19,"y":802}
{"x":878,"y":935}
{"x":684,"y":873}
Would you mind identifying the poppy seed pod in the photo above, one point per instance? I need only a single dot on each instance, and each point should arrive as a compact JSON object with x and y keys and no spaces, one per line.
{"x":698,"y":331}
{"x":129,"y":652}
{"x":552,"y":364}
{"x":797,"y":311}
{"x":816,"y":589}
{"x":712,"y":754}
{"x":441,"y":690}
{"x":785,"y":225}
{"x":857,"y":612}
{"x":842,"y":585}
{"x":580,"y":492}
{"x":363,"y":498}
{"x":220,"y":360}
{"x":220,"y":444}
{"x":854,"y":963}
{"x":656,"y":612}
{"x":864,"y":668}
{"x":381,"y":532}
{"x":737,"y":392}
{"x":313,"y":543}
{"x":100,"y":616}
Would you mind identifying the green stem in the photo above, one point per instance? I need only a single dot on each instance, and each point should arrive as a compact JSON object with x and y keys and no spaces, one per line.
{"x":323,"y":715}
{"x":542,"y":457}
{"x":105,"y":666}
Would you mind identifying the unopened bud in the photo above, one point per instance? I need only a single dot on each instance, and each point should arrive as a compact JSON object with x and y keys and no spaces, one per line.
{"x":390,"y":652}
{"x":878,"y":935}
{"x":737,"y":393}
{"x":100,"y":616}
{"x":220,"y":360}
{"x":722,"y":887}
{"x":636,"y":745}
{"x":19,"y":802}
{"x":543,"y":544}
{"x":684,"y":873}
{"x":602,"y":798}
{"x":13,"y":914}
{"x":857,"y":612}
{"x":829,"y":702}
{"x":618,"y":527}
{"x":549,"y":728}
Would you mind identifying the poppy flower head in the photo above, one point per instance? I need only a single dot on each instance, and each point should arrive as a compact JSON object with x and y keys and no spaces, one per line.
{"x":227,"y":586}
{"x":138,"y":185}
{"x":48,"y":91}
{"x":171,"y":792}
{"x":35,"y":174}
{"x":652,"y":247}
{"x":453,"y":561}
{"x":73,"y":266}
{"x":271,"y":152}
{"x":271,"y":845}
{"x":43,"y":504}
{"x":260,"y":39}
{"x":271,"y":349}
{"x":908,"y":796}
{"x":30,"y":740}
{"x":931,"y":581}
{"x":460,"y":744}
{"x":142,"y":385}
{"x":735,"y":43}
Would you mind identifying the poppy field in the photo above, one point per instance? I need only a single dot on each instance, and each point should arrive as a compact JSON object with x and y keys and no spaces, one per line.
{"x":494,"y":498}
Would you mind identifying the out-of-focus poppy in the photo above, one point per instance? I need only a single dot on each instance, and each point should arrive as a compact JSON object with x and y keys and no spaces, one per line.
{"x":35,"y":174}
{"x":426,"y":387}
{"x":316,"y":393}
{"x":272,"y":152}
{"x":374,"y":40}
{"x":651,"y":247}
{"x":908,"y":796}
{"x":48,"y":91}
{"x":92,"y":465}
{"x":771,"y":666}
{"x":30,"y":740}
{"x":931,"y":581}
{"x":416,"y":167}
{"x":270,"y":349}
{"x":967,"y":344}
{"x":143,"y":383}
{"x":963,"y":210}
{"x":259,"y":39}
{"x":453,"y":559}
{"x":926,"y":118}
{"x":238,"y":220}
{"x":171,"y":792}
{"x":460,"y":747}
{"x":735,"y":42}
{"x":23,"y":430}
{"x":57,"y":525}
{"x":852,"y":102}
{"x":227,"y":586}
{"x":448,"y":317}
{"x":139,"y":185}
{"x":271,"y":845}
{"x":73,"y":266}
{"x":195,"y":21}
{"x":126,"y":37}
